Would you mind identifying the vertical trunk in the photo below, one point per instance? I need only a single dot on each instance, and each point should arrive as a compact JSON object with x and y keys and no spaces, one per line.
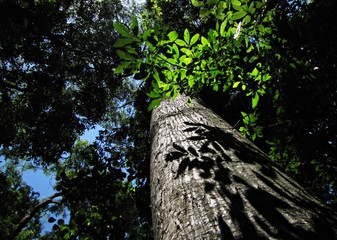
{"x":208,"y":182}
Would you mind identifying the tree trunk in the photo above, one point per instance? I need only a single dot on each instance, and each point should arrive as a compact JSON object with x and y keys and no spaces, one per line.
{"x":209,"y":182}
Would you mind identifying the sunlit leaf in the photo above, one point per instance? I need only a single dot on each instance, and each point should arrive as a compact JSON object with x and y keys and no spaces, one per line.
{"x":194,"y":39}
{"x":238,"y":15}
{"x":196,"y":3}
{"x":119,"y":69}
{"x":190,"y":82}
{"x":255,"y":72}
{"x":172,"y":36}
{"x":180,"y":43}
{"x":255,"y":100}
{"x":236,"y":84}
{"x":204,"y":41}
{"x":223,"y":28}
{"x":236,"y":2}
{"x":187,"y":36}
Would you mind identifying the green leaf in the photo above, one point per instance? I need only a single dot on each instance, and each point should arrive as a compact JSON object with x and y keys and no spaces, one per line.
{"x":185,"y":60}
{"x":194,"y":39}
{"x":236,"y":84}
{"x":236,"y":3}
{"x":223,"y":28}
{"x":280,"y":110}
{"x":238,"y":15}
{"x":154,"y":103}
{"x":261,"y":29}
{"x":172,"y":36}
{"x":276,"y":95}
{"x":196,"y":3}
{"x":216,"y":87}
{"x":176,"y":50}
{"x":172,"y":61}
{"x":119,"y":69}
{"x":187,"y":36}
{"x":204,"y":41}
{"x":292,"y":65}
{"x":134,"y":25}
{"x":180,"y":43}
{"x":131,"y":50}
{"x":123,"y":42}
{"x":122,"y":29}
{"x":191,"y":81}
{"x":255,"y":72}
{"x":153,"y":94}
{"x":211,"y":2}
{"x":124,"y":55}
{"x":187,"y":51}
{"x":222,"y":5}
{"x":247,"y":19}
{"x":255,"y":100}
{"x":251,"y":8}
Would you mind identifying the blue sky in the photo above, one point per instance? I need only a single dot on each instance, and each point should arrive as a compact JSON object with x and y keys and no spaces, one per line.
{"x":44,"y":184}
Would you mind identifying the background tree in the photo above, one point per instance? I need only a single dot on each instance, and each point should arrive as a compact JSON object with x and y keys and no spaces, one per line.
{"x":57,"y":80}
{"x":56,"y":64}
{"x":18,"y":199}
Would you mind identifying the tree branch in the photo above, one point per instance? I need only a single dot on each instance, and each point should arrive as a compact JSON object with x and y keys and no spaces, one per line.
{"x":31,"y":214}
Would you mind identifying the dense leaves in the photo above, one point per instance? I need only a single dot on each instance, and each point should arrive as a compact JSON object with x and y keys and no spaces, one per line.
{"x":18,"y":199}
{"x":56,"y":66}
{"x":57,"y":62}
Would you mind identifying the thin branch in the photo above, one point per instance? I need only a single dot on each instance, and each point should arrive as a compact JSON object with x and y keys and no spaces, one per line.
{"x":31,"y":214}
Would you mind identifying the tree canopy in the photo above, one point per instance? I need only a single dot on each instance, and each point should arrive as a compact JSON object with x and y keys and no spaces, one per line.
{"x":57,"y":62}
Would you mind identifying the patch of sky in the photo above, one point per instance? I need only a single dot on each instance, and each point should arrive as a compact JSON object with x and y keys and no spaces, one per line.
{"x":43,"y":183}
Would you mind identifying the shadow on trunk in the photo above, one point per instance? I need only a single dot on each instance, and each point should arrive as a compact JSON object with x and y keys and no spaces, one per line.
{"x":261,"y":204}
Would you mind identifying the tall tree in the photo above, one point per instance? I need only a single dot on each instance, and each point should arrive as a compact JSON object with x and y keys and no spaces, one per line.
{"x":235,"y":56}
{"x":303,"y":70}
{"x":209,"y":182}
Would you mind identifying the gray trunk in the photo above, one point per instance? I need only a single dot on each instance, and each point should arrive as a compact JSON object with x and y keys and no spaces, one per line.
{"x":208,"y":182}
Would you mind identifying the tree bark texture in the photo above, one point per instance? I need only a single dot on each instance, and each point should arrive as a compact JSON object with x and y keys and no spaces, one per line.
{"x":209,"y":182}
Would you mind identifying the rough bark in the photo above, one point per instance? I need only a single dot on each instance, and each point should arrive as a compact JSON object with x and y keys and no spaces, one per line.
{"x":208,"y":182}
